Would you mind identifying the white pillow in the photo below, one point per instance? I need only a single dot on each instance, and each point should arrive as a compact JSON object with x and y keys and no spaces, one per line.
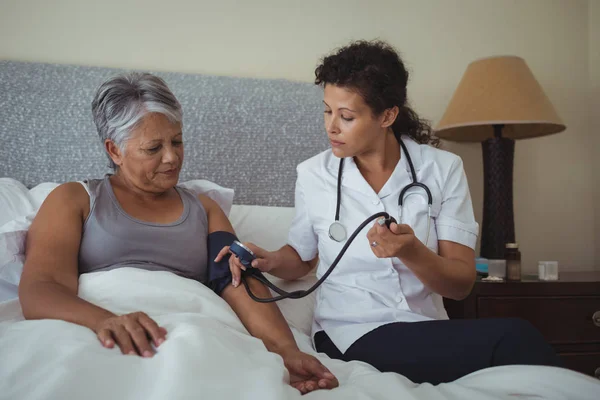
{"x":298,"y":313}
{"x":10,"y":274}
{"x":39,"y":193}
{"x":14,"y":233}
{"x":268,"y":227}
{"x":221,"y":195}
{"x":12,"y":238}
{"x":15,"y":203}
{"x":12,"y":254}
{"x":14,"y":200}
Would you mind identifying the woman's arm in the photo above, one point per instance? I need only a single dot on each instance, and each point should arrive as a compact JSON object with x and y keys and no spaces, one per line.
{"x":284,"y":263}
{"x":287,"y":262}
{"x":261,"y":319}
{"x":450,"y":274}
{"x":50,"y":279}
{"x":49,"y":283}
{"x":265,"y":321}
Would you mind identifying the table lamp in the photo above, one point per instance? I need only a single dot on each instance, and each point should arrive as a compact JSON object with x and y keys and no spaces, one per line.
{"x":497,"y":101}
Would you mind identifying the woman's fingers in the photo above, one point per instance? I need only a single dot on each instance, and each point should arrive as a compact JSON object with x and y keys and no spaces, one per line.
{"x":382,"y":241}
{"x":133,"y":333}
{"x":106,"y":338}
{"x":401,"y":229}
{"x":222,"y":253}
{"x":140,"y":338}
{"x":152,"y":328}
{"x":235,"y":266}
{"x":123,"y":340}
{"x":238,"y":263}
{"x":236,"y":271}
{"x":374,"y":238}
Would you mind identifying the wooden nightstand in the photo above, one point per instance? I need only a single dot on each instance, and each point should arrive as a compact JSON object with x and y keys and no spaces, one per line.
{"x":567,"y":312}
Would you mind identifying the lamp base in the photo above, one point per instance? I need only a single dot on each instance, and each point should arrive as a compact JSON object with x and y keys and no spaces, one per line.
{"x":498,"y":216}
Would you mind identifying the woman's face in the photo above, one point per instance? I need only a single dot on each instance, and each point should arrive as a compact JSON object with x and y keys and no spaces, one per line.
{"x":350,"y":123}
{"x":153,"y":154}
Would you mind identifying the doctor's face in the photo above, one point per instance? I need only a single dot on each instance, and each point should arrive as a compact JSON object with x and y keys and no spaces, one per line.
{"x":349,"y":121}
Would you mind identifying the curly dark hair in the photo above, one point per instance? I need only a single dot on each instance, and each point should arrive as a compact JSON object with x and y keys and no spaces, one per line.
{"x":376,"y":71}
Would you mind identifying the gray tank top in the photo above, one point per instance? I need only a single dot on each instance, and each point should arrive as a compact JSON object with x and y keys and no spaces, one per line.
{"x":113,"y":239}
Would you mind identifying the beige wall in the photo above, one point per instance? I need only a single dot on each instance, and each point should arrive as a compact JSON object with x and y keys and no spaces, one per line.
{"x":438,"y":38}
{"x":594,"y":106}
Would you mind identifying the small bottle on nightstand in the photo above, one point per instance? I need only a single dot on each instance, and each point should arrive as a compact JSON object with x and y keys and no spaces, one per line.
{"x":513,"y":262}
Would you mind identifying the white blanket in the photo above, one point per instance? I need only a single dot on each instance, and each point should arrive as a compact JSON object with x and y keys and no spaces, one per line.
{"x":209,"y":354}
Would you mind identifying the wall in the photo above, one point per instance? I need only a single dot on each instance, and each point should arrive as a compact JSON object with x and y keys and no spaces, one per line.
{"x":438,"y":38}
{"x":594,"y":108}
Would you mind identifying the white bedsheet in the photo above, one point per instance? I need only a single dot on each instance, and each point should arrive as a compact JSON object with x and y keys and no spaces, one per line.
{"x":208,"y":354}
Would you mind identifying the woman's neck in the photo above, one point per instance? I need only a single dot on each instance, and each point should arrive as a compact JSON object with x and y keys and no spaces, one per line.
{"x":383,"y":157}
{"x":120,"y":180}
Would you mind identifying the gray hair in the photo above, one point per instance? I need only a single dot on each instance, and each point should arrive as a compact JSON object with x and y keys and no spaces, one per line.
{"x":122,"y":101}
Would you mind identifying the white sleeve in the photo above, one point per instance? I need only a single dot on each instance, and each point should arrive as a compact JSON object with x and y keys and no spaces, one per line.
{"x":302,"y":236}
{"x":456,"y":221}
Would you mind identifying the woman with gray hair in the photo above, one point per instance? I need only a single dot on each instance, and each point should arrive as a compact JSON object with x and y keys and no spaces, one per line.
{"x":138,"y":217}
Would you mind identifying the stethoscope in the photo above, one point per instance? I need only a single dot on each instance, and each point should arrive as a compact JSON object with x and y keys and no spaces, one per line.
{"x":337,"y":231}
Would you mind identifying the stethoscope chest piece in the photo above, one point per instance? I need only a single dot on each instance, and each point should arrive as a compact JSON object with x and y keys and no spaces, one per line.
{"x":337,"y":231}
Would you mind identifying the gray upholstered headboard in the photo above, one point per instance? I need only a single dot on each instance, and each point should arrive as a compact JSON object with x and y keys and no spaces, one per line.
{"x":242,"y":133}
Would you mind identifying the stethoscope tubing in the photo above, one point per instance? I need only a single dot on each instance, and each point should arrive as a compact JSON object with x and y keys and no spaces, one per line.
{"x":298,"y":294}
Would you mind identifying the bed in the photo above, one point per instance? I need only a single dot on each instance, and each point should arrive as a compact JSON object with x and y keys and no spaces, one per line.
{"x":244,"y":138}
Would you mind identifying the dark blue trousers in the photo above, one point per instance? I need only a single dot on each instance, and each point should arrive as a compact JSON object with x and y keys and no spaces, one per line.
{"x":442,"y":351}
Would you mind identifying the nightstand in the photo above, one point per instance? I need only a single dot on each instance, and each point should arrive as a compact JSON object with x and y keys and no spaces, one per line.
{"x":567,"y":312}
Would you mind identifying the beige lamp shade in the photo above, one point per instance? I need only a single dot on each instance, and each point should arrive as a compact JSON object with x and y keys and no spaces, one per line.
{"x":498,"y":90}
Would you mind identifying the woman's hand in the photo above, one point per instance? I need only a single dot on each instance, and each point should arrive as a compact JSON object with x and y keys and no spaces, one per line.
{"x":307,"y":373}
{"x":265,"y":261}
{"x":397,"y":241}
{"x":132,"y":333}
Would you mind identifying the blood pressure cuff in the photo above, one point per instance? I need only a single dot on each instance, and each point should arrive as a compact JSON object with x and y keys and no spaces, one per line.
{"x":219,"y":275}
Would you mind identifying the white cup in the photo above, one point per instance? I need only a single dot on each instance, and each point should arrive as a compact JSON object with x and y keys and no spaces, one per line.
{"x":497,"y":268}
{"x":548,"y":270}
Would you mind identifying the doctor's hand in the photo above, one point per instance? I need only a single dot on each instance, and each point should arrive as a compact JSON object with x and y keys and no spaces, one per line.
{"x":397,"y":241}
{"x":264,"y":261}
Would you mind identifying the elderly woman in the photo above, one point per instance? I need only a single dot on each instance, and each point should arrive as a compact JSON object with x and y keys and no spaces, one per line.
{"x":138,"y":217}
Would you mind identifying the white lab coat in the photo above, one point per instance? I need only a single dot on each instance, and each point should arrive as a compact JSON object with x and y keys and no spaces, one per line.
{"x":365,"y":292}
